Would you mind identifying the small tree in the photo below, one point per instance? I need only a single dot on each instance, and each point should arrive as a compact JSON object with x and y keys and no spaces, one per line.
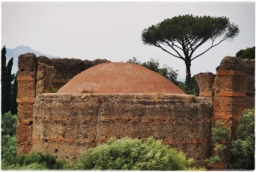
{"x":248,"y":53}
{"x":183,"y":35}
{"x":243,"y":148}
{"x":235,"y":153}
{"x":220,"y":138}
{"x":154,"y":65}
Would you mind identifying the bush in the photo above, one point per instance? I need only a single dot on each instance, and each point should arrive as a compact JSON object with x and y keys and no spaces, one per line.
{"x":8,"y":149}
{"x":9,"y":122}
{"x":36,"y":158}
{"x":239,"y":152}
{"x":8,"y":139}
{"x":243,"y":148}
{"x":131,"y":154}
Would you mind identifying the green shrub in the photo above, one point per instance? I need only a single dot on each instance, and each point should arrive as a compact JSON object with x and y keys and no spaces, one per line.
{"x":47,"y":160}
{"x":237,"y":153}
{"x":9,"y":123}
{"x":243,"y":148}
{"x":8,"y":149}
{"x":131,"y":154}
{"x":34,"y":166}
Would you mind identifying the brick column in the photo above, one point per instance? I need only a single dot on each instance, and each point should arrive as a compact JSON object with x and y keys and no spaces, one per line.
{"x":229,"y":90}
{"x":205,"y":82}
{"x":27,"y":66}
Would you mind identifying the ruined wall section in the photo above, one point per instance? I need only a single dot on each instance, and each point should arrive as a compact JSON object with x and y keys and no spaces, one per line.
{"x":66,"y":68}
{"x":205,"y":82}
{"x":250,"y":82}
{"x":68,"y":124}
{"x":233,"y":85}
{"x":232,"y":90}
{"x":27,"y":65}
{"x":35,"y":76}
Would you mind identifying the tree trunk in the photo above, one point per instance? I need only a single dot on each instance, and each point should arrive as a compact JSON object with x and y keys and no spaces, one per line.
{"x":188,"y":73}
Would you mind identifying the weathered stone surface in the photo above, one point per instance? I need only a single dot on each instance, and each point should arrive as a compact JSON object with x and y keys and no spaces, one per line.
{"x":231,"y":63}
{"x":25,"y":98}
{"x":233,"y":91}
{"x":205,"y":82}
{"x":35,"y":76}
{"x":67,"y":68}
{"x":119,"y":78}
{"x":68,"y":124}
{"x":45,"y":76}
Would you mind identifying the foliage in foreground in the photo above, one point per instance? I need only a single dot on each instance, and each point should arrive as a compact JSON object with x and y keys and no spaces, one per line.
{"x":116,"y":154}
{"x":132,"y":154}
{"x":33,"y":161}
{"x":8,"y":139}
{"x":243,"y":148}
{"x":237,"y":153}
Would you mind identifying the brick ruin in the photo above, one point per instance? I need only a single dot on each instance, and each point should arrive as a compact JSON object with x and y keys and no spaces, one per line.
{"x":37,"y":75}
{"x":68,"y":124}
{"x":231,"y":90}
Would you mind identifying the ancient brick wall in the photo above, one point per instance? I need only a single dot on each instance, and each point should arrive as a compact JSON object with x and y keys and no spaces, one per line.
{"x":232,"y":91}
{"x":66,"y":69}
{"x":68,"y":124}
{"x":35,"y":76}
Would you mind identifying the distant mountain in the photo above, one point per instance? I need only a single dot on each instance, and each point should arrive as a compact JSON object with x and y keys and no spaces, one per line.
{"x":16,"y":52}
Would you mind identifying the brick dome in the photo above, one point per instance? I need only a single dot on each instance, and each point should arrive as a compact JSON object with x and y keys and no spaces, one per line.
{"x":119,"y":78}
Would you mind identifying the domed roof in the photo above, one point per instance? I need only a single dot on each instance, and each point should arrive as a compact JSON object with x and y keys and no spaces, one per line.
{"x":119,"y":78}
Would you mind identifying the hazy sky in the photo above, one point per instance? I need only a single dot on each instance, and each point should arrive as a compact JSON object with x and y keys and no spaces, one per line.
{"x":112,"y":30}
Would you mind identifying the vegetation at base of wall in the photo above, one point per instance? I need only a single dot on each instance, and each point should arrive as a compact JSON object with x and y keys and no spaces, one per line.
{"x":239,"y":152}
{"x":243,"y":148}
{"x":116,"y":154}
{"x":220,"y":135}
{"x":8,"y":124}
{"x":248,"y":53}
{"x":132,"y":154}
{"x":8,"y":139}
{"x":33,"y":161}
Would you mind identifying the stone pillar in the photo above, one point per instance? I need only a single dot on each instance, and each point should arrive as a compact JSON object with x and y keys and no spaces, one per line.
{"x":205,"y":82}
{"x":229,"y":95}
{"x":229,"y":92}
{"x":27,"y":67}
